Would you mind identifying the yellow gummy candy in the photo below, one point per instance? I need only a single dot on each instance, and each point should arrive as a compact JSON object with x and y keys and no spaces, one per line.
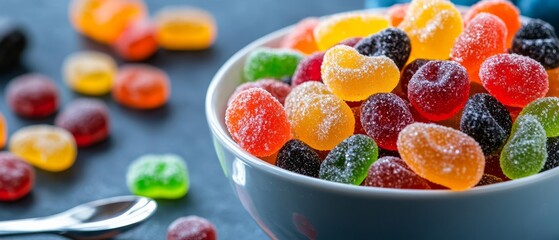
{"x":47,"y":147}
{"x":89,"y":72}
{"x":354,"y":77}
{"x":433,"y":26}
{"x":185,"y":28}
{"x":3,"y":131}
{"x":333,"y":30}
{"x":318,"y":117}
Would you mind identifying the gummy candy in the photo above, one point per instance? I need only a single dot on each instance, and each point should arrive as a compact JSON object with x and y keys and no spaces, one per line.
{"x":487,"y":121}
{"x":308,"y":69}
{"x":185,"y":28}
{"x":525,"y":152}
{"x":432,"y":26}
{"x":158,"y":176}
{"x":257,"y":122}
{"x":537,"y":40}
{"x":546,"y":111}
{"x":488,"y":179}
{"x":439,"y":89}
{"x":442,"y":155}
{"x":552,"y":161}
{"x":503,"y":9}
{"x":105,"y":20}
{"x":553,"y":76}
{"x":137,"y":42}
{"x":392,"y":172}
{"x":301,"y":38}
{"x":350,"y":160}
{"x":271,"y":63}
{"x":13,"y":42}
{"x":318,"y":117}
{"x":493,"y":166}
{"x":278,"y":89}
{"x":358,"y":129}
{"x":391,"y":42}
{"x":16,"y":177}
{"x":298,"y":157}
{"x":191,"y":228}
{"x":32,"y":95}
{"x":86,"y":119}
{"x":514,"y":80}
{"x":396,"y":13}
{"x":337,"y":28}
{"x":406,"y":75}
{"x":383,"y":116}
{"x":354,"y":77}
{"x":89,"y":72}
{"x":46,"y":147}
{"x":141,"y":86}
{"x":483,"y":37}
{"x":3,"y":131}
{"x":350,"y":42}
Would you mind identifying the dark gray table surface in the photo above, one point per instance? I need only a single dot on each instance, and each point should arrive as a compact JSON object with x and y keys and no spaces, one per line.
{"x":180,"y":127}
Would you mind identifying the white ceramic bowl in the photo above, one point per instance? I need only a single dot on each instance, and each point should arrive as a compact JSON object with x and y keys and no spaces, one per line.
{"x":287,"y":205}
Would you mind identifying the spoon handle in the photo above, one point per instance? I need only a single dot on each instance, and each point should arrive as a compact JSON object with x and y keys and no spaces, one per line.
{"x":24,"y":226}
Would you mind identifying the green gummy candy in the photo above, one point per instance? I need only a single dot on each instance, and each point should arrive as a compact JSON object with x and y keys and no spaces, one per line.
{"x":158,"y":176}
{"x":546,"y":111}
{"x":271,"y":63}
{"x":349,"y":162}
{"x":525,"y":152}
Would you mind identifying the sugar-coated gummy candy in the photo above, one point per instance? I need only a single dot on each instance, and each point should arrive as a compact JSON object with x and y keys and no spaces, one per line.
{"x":105,"y":20}
{"x":141,"y":86}
{"x":439,"y":89}
{"x":514,"y":80}
{"x":89,"y":72}
{"x":407,"y":73}
{"x":349,"y":161}
{"x":488,"y":179}
{"x":546,"y":111}
{"x":487,"y":121}
{"x":391,"y":42}
{"x":525,"y":152}
{"x":158,"y":176}
{"x":301,"y":38}
{"x":337,"y":28}
{"x":383,"y":116}
{"x":553,"y":76}
{"x":191,"y":228}
{"x":308,"y":69}
{"x":32,"y":95}
{"x":13,"y":41}
{"x":442,"y":155}
{"x":483,"y":37}
{"x":3,"y":131}
{"x":298,"y":157}
{"x":552,"y":160}
{"x":257,"y":122}
{"x":350,"y":42}
{"x":433,"y":26}
{"x":537,"y":40}
{"x":16,"y":177}
{"x":493,"y":166}
{"x":396,"y":13}
{"x":185,"y":28}
{"x":46,"y":147}
{"x":503,"y":9}
{"x":278,"y":89}
{"x":137,"y":42}
{"x":392,"y":172}
{"x":271,"y":63}
{"x":318,"y":117}
{"x":354,"y":77}
{"x":86,"y":119}
{"x":358,"y":129}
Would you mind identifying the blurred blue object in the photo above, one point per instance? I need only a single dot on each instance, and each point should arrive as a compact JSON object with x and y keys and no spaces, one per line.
{"x":388,"y":3}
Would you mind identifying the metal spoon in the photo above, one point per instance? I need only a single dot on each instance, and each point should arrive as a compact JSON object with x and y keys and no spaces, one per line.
{"x":99,"y":219}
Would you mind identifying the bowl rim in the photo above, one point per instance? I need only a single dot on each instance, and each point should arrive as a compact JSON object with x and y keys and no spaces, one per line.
{"x":223,"y":137}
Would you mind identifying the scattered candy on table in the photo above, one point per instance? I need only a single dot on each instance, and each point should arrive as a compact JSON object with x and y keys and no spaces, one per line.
{"x":32,"y":96}
{"x":46,"y":147}
{"x":89,"y":72}
{"x":184,"y":28}
{"x":137,"y":42}
{"x":158,"y":176}
{"x":141,"y":86}
{"x":87,"y":119}
{"x":191,"y":228}
{"x":16,"y":177}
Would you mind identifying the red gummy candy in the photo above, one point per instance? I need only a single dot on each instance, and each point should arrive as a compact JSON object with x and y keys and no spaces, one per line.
{"x":86,"y":119}
{"x":406,"y":75}
{"x":357,"y":114}
{"x":514,"y":80}
{"x":308,"y":69}
{"x":392,"y":172}
{"x":32,"y":95}
{"x":191,"y":228}
{"x":16,"y":177}
{"x":278,"y":89}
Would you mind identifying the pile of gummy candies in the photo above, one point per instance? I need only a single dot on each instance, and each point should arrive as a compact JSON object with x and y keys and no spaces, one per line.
{"x":86,"y":121}
{"x":422,"y":97}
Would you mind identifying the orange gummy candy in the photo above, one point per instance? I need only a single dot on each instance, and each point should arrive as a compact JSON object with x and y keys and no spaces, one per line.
{"x":553,"y":76}
{"x":3,"y":131}
{"x":141,"y":86}
{"x":301,"y":38}
{"x":396,"y":13}
{"x":503,"y":9}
